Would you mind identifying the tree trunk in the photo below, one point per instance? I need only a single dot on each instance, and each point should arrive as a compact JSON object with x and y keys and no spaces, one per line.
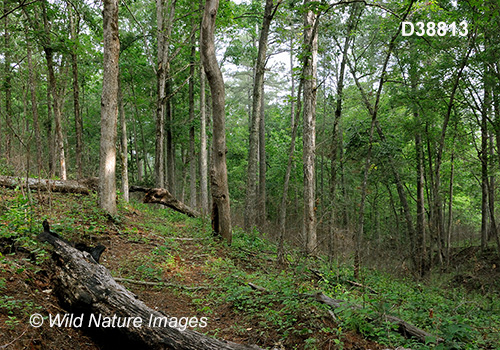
{"x":203,"y":146}
{"x":109,"y":108}
{"x":192,"y":152}
{"x":164,"y":197}
{"x":164,"y":15}
{"x":221,"y":214}
{"x":75,"y":27}
{"x":483,"y":156}
{"x":309,"y":128}
{"x":56,"y":99}
{"x":169,"y":140}
{"x":261,"y":199}
{"x":7,"y":84}
{"x":34,"y":107}
{"x":87,"y":287}
{"x":253,"y":147}
{"x":64,"y":186}
{"x":123,"y":142}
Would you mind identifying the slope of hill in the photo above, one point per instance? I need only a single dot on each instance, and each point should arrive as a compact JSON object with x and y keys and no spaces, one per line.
{"x":175,"y":265}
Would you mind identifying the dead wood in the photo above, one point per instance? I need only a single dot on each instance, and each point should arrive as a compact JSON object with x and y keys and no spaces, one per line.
{"x":85,"y":286}
{"x":164,"y":197}
{"x":404,"y":327}
{"x":64,"y":186}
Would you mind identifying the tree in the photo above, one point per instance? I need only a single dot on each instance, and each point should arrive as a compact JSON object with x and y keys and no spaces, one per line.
{"x":309,"y":133}
{"x":109,"y":108}
{"x":221,"y":211}
{"x":255,"y":119}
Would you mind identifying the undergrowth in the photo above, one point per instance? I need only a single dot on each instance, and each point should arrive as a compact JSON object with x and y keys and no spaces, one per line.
{"x":283,"y":306}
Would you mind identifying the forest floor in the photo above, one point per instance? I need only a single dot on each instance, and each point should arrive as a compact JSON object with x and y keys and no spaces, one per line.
{"x":176,"y":266}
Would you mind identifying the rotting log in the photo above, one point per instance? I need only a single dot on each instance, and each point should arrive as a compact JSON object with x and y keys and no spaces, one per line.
{"x":406,"y":329}
{"x":84,"y":286}
{"x":65,"y":186}
{"x":164,"y":197}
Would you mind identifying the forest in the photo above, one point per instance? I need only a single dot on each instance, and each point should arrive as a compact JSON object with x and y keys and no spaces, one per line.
{"x":333,"y":163}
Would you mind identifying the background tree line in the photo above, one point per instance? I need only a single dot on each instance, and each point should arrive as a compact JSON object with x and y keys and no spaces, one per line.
{"x":343,"y":136}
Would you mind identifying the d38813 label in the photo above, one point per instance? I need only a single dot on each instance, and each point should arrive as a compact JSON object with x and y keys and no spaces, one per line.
{"x":433,"y":29}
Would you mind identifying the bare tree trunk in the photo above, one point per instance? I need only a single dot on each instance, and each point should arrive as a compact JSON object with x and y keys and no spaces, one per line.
{"x":253,"y":147}
{"x":169,"y":140}
{"x":34,"y":107}
{"x":483,"y":156}
{"x":7,"y":84}
{"x":192,"y":152}
{"x":49,"y":56}
{"x":261,"y":199}
{"x":76,"y":93}
{"x":309,"y":128}
{"x":50,"y":136}
{"x":164,"y":14}
{"x":203,"y":146}
{"x":123,"y":143}
{"x":109,"y":108}
{"x":221,"y":214}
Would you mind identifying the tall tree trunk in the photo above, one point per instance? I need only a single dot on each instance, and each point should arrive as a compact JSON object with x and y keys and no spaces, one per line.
{"x":75,"y":27}
{"x":7,"y":84}
{"x":109,"y":108}
{"x":169,"y":140}
{"x":123,"y":142}
{"x":203,"y":146}
{"x":253,"y":147}
{"x":261,"y":199}
{"x":56,"y":99}
{"x":164,"y":17}
{"x":483,"y":156}
{"x":309,"y":127}
{"x":50,"y":136}
{"x":192,"y":152}
{"x":34,"y":107}
{"x":221,"y":211}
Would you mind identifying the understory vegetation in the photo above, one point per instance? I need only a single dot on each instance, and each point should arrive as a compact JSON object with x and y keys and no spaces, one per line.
{"x":163,"y":256}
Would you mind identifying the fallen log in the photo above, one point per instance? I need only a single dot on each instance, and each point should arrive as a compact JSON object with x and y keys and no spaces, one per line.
{"x":83,"y":286}
{"x":65,"y":186}
{"x":164,"y":197}
{"x":405,"y":328}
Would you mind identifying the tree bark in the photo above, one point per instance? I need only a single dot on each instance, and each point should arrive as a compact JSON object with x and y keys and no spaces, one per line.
{"x":76,"y":92}
{"x":34,"y":107}
{"x":203,"y":145}
{"x":221,"y":211}
{"x":163,"y":19}
{"x":7,"y":84}
{"x":84,"y":286}
{"x":56,"y":101}
{"x":164,"y":197}
{"x":65,"y":186}
{"x":309,"y":128}
{"x":109,"y":108}
{"x":123,"y":143}
{"x":192,"y":151}
{"x":261,"y":198}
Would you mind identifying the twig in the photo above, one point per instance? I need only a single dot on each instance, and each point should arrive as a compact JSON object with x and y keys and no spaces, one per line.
{"x":162,"y":284}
